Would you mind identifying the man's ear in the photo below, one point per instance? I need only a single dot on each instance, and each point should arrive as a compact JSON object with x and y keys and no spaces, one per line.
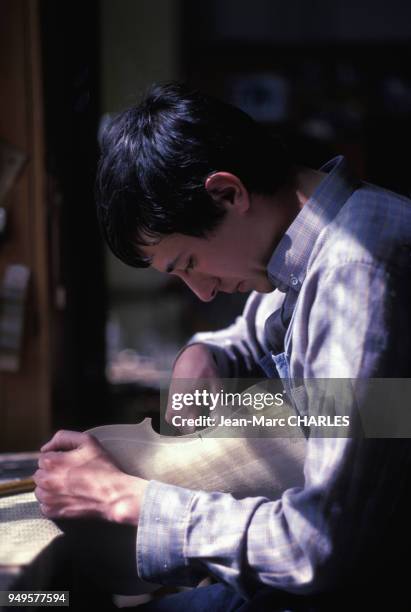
{"x":228,"y":190}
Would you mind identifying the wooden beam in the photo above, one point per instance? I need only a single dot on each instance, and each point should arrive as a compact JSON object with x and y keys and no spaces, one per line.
{"x":25,"y":395}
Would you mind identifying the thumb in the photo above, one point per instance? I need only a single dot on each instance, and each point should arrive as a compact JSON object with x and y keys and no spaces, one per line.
{"x":65,"y":440}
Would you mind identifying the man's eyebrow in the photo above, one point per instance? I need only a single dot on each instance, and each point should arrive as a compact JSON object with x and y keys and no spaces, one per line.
{"x":172,"y":264}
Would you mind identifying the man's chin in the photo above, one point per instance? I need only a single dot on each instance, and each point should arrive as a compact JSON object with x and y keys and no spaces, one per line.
{"x":262,"y":286}
{"x":242,"y":287}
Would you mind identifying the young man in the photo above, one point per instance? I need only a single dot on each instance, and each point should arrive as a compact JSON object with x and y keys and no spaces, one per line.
{"x":195,"y":188}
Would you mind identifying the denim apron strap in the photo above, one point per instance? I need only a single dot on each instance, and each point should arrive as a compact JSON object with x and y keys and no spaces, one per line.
{"x":277,"y":366}
{"x":267,"y":363}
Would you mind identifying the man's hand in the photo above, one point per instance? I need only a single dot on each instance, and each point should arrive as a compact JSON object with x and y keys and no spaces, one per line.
{"x":195,"y":363}
{"x":77,"y":478}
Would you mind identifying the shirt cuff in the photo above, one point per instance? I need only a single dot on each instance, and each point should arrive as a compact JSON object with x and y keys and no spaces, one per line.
{"x":161,"y":535}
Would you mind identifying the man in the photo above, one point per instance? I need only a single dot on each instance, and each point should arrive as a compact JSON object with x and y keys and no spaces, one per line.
{"x":195,"y":188}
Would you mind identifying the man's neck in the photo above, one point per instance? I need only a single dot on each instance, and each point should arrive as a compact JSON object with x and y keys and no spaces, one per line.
{"x":305,"y":183}
{"x":276,"y":213}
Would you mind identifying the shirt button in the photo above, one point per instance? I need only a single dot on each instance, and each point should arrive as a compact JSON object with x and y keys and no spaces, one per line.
{"x":294,"y":280}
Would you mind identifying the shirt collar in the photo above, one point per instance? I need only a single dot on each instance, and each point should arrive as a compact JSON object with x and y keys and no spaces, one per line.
{"x":288,"y":264}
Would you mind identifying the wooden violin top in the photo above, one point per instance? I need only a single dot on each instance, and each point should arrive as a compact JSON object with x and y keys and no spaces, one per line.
{"x":243,"y":466}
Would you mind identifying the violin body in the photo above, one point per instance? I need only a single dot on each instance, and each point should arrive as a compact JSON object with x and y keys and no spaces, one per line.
{"x":242,"y":466}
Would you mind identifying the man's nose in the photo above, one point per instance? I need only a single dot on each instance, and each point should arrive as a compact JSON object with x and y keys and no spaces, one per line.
{"x":204,"y":288}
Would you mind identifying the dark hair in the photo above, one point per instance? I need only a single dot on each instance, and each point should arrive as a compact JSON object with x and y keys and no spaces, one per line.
{"x":155,"y":159}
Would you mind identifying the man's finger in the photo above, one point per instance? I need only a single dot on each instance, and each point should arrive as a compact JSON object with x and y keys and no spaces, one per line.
{"x":50,"y":459}
{"x":43,"y":495}
{"x":64,"y":510}
{"x":61,"y":460}
{"x":50,"y":481}
{"x":65,"y":440}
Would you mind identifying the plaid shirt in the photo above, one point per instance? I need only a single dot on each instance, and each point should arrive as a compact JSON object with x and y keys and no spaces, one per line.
{"x":341,"y":309}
